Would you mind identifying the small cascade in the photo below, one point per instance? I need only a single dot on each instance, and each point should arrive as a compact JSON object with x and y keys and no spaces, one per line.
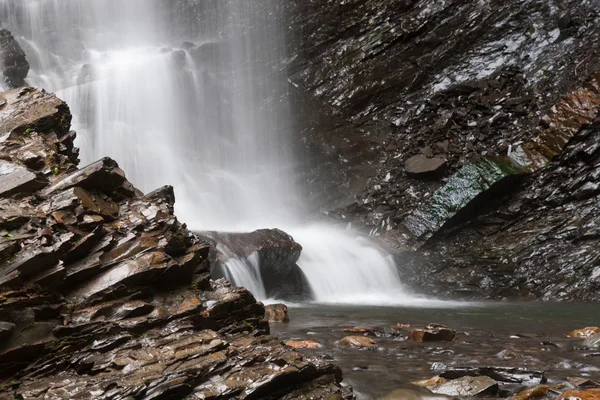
{"x":246,"y":272}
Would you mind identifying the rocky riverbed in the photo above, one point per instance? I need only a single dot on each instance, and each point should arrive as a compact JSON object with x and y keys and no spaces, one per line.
{"x":500,"y":349}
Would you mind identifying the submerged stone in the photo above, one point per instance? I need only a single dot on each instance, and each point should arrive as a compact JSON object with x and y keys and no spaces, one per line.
{"x":468,"y":386}
{"x":277,"y":313}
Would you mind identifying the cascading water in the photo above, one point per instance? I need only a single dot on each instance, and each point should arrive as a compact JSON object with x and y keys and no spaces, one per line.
{"x":185,"y":93}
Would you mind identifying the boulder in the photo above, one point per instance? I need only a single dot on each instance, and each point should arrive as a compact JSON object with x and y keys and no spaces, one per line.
{"x":535,"y":392}
{"x":472,"y":386}
{"x":432,"y":334}
{"x":421,"y":165}
{"x":592,"y":394}
{"x":585,"y":332}
{"x":277,"y":313}
{"x":357,"y":342}
{"x":277,"y":254}
{"x":12,"y":60}
{"x":304,"y":344}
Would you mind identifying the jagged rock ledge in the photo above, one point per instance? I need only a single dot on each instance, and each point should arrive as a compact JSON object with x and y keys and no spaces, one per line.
{"x":105,"y":294}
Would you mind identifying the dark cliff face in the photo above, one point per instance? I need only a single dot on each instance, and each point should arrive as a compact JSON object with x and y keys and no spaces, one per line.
{"x":403,"y":103}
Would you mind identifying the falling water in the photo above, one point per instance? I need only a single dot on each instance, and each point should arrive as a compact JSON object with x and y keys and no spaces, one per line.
{"x":186,"y":93}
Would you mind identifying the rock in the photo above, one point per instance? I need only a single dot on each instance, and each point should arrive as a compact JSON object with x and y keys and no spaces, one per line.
{"x":422,"y":165}
{"x":111,"y":295}
{"x":13,"y":60}
{"x":468,"y":386}
{"x":304,"y":344}
{"x":583,"y":382}
{"x":592,"y":394}
{"x":507,"y":355}
{"x":16,"y":179}
{"x":277,"y":254}
{"x":461,"y":190}
{"x":432,"y":334}
{"x":535,"y":392}
{"x":435,"y":381}
{"x":358,"y":342}
{"x":500,"y":374}
{"x":592,"y":341}
{"x":277,"y":313}
{"x":365,"y":330}
{"x":6,"y":329}
{"x":585,"y":332}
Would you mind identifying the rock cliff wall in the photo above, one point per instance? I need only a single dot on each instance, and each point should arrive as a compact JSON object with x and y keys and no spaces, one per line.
{"x":420,"y":114}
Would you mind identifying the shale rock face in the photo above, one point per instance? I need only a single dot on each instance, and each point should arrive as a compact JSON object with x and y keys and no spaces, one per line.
{"x":13,"y":62}
{"x":105,"y":294}
{"x":506,"y":92}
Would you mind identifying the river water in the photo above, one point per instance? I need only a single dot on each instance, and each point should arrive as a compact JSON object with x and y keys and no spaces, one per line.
{"x":535,"y":332}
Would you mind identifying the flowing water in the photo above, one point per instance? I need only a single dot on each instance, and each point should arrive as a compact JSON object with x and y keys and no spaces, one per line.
{"x":187,"y":93}
{"x":529,"y":335}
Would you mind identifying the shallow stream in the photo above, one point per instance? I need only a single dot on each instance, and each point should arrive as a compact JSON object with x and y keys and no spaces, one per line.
{"x":534,"y":333}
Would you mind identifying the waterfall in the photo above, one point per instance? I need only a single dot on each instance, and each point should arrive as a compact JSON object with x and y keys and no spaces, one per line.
{"x":186,"y":93}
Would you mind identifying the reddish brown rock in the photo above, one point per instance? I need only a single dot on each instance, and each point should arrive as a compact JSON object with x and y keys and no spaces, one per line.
{"x":592,"y":394}
{"x":358,"y":342}
{"x":304,"y":344}
{"x":434,"y":333}
{"x":365,"y":330}
{"x":277,"y":313}
{"x":585,"y":332}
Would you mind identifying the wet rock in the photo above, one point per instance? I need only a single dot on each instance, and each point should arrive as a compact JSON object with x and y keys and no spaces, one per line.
{"x":585,"y":332}
{"x":435,"y":381}
{"x":6,"y":329}
{"x":15,"y":179}
{"x":592,"y":394}
{"x":500,"y":374}
{"x":583,"y":382}
{"x":365,"y":330}
{"x":277,"y":313}
{"x":13,"y":60}
{"x":468,"y":386}
{"x":462,"y":190}
{"x":432,"y":334}
{"x":277,"y":254}
{"x":535,"y":392}
{"x":304,"y":344}
{"x":421,"y":165}
{"x":592,"y":341}
{"x":358,"y":342}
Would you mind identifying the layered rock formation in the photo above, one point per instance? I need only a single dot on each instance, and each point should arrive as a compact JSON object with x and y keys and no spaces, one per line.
{"x":105,"y":294}
{"x":433,"y":114}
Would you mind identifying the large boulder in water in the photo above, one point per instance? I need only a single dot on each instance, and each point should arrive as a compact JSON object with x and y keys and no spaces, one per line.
{"x":277,"y":254}
{"x":12,"y":60}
